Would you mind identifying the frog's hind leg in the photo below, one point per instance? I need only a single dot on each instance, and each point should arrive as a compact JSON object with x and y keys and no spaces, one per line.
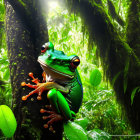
{"x":59,"y":103}
{"x":60,"y":107}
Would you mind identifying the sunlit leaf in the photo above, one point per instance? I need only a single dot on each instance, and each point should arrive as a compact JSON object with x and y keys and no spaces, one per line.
{"x":83,"y":122}
{"x":95,"y":77}
{"x":8,"y":122}
{"x":6,"y":74}
{"x":73,"y":131}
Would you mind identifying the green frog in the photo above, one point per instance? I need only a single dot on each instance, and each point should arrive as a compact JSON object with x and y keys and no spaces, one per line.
{"x":62,"y":82}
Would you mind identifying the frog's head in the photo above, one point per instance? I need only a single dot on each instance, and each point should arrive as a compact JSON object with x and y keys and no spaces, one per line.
{"x":56,"y":64}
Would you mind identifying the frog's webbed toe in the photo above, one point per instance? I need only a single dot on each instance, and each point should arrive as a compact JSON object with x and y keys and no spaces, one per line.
{"x":35,"y":80}
{"x":28,"y":85}
{"x":53,"y":116}
{"x":38,"y":88}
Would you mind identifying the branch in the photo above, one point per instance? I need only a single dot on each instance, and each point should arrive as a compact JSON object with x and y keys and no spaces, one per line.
{"x":119,"y":7}
{"x":113,"y":13}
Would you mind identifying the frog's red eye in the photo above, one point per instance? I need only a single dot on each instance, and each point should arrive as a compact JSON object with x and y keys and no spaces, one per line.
{"x":74,"y":63}
{"x":43,"y":49}
{"x":47,"y":46}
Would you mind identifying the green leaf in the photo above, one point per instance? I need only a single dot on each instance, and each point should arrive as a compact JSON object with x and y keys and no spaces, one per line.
{"x":115,"y":78}
{"x":125,"y":85}
{"x":83,"y":122}
{"x":73,"y":131}
{"x":97,"y":134}
{"x":133,"y":94}
{"x":95,"y":77}
{"x":126,"y":74}
{"x":8,"y":122}
{"x":6,"y":75}
{"x":88,"y":105}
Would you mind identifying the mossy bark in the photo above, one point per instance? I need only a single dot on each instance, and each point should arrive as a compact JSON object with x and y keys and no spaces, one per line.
{"x":26,"y":32}
{"x":117,"y":55}
{"x":133,"y":26}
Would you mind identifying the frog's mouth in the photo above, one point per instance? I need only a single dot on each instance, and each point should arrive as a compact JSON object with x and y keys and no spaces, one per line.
{"x":54,"y":73}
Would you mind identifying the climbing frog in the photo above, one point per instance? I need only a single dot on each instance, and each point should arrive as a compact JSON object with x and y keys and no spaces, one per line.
{"x":61,"y":80}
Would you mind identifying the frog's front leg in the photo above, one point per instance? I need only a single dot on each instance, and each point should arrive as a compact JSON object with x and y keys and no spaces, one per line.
{"x":40,"y":87}
{"x":61,"y":109}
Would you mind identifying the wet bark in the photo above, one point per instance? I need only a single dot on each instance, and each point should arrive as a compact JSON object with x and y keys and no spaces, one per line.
{"x":26,"y":31}
{"x":118,"y":56}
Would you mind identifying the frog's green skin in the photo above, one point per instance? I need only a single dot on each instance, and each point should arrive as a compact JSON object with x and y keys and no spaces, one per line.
{"x":66,"y":92}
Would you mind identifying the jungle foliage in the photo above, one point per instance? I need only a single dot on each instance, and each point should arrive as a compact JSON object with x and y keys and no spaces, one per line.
{"x":100,"y":115}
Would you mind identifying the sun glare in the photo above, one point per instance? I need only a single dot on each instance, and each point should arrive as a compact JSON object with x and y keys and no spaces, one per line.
{"x":53,"y":5}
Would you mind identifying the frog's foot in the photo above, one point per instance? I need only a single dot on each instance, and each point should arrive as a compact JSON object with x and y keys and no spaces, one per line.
{"x":29,"y":85}
{"x":38,"y":91}
{"x":35,"y":80}
{"x":54,"y":117}
{"x":39,"y":87}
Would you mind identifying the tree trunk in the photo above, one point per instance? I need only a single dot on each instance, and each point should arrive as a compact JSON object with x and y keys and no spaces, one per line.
{"x":120,"y":59}
{"x":26,"y":32}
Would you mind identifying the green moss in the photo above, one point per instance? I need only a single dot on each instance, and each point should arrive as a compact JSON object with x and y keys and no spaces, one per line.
{"x":14,"y":64}
{"x":34,"y":132}
{"x":25,"y":109}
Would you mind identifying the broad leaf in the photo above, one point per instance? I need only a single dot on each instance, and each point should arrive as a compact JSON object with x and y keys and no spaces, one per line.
{"x":95,"y":77}
{"x":8,"y":122}
{"x":82,"y":122}
{"x":73,"y":131}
